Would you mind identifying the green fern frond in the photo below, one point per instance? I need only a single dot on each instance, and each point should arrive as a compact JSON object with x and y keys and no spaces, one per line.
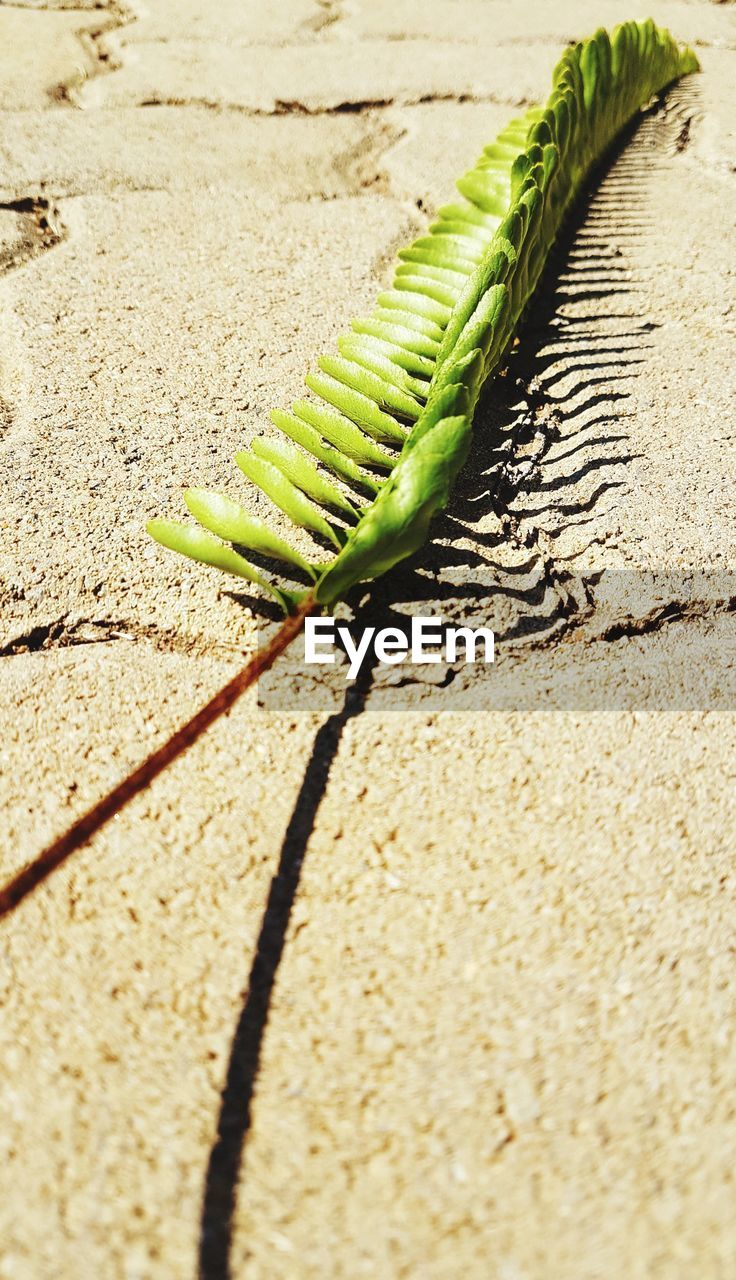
{"x":392,"y":413}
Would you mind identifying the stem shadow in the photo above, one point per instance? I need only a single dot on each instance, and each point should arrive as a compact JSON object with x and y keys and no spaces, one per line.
{"x":235,"y":1116}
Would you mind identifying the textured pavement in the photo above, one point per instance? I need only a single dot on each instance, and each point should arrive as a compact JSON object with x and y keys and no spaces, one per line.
{"x":419,"y":989}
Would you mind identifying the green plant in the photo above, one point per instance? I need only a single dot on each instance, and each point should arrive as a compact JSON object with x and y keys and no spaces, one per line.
{"x":366,"y":463}
{"x":397,"y":405}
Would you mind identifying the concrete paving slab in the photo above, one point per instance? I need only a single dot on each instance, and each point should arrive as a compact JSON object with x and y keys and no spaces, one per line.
{"x":657,"y":494}
{"x":335,"y":75}
{"x":439,"y":141}
{"x":149,"y":362}
{"x":529,"y":21}
{"x":45,"y":54}
{"x":131,"y":1054}
{"x":555,"y":1097}
{"x":188,"y":148}
{"x":388,"y":991}
{"x":230,"y":22}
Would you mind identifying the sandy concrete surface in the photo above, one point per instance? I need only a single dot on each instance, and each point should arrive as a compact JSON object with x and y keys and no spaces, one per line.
{"x":426,"y":986}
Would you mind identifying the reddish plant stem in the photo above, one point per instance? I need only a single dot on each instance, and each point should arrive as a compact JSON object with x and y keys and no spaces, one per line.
{"x":32,"y":875}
